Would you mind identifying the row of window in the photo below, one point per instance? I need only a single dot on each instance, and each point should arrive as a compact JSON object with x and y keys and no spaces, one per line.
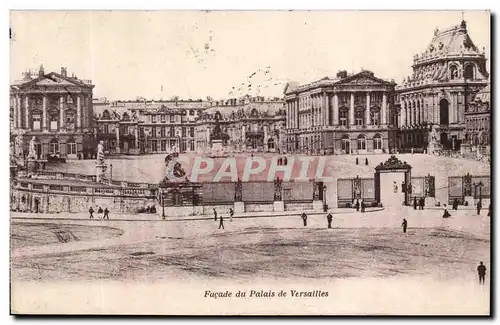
{"x":162,"y":118}
{"x":162,"y":144}
{"x":478,"y":124}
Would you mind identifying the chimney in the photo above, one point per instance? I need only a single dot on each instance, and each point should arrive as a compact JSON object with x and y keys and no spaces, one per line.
{"x":64,"y":72}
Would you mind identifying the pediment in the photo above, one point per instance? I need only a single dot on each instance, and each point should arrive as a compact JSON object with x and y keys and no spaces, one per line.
{"x":53,"y":81}
{"x":362,"y":80}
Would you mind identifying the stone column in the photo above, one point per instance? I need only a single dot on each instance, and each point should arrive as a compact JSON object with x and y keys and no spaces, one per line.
{"x":117,"y":131}
{"x":351,"y":110}
{"x":422,"y":111}
{"x":335,"y":109}
{"x":78,"y":111}
{"x":136,"y":134}
{"x":403,"y":113}
{"x":61,"y":113}
{"x":44,"y":112}
{"x":287,"y":115}
{"x":15,"y":111}
{"x":19,"y":112}
{"x":384,"y":108}
{"x":27,"y":112}
{"x":367,"y":112}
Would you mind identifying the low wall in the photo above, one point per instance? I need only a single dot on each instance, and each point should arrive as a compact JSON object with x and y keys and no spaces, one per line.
{"x":32,"y":196}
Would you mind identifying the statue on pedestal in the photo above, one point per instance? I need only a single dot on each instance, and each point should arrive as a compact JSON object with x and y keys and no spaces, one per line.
{"x":100,"y":163}
{"x":19,"y":146}
{"x":32,"y":150}
{"x":100,"y":153}
{"x":278,"y":189}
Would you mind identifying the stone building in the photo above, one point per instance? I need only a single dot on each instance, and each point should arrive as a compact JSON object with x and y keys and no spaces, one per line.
{"x":147,"y":126}
{"x":438,"y":94}
{"x":56,"y":109}
{"x":249,"y":124}
{"x":478,"y":122}
{"x":342,"y":115}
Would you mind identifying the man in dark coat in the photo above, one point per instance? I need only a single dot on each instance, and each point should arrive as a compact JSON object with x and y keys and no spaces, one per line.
{"x":215,"y":215}
{"x":106,"y":214}
{"x":481,"y":271}
{"x":422,"y":203}
{"x":221,"y":222}
{"x":455,"y":204}
{"x":357,"y":205}
{"x":366,"y":161}
{"x":414,"y":203}
{"x":329,"y":218}
{"x":231,"y":214}
{"x":91,"y":211}
{"x":405,"y":225}
{"x":357,"y":161}
{"x":304,"y":218}
{"x":479,"y":206}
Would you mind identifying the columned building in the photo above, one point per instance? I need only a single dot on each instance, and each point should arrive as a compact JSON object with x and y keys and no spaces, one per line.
{"x":248,"y":124}
{"x":477,"y":123}
{"x":56,"y":109}
{"x":433,"y":101}
{"x":344,"y":115}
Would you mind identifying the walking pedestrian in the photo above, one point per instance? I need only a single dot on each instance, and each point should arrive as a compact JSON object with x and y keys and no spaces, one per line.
{"x":357,"y":205}
{"x":357,"y":161}
{"x":479,"y":206}
{"x":405,"y":225}
{"x":414,"y":203}
{"x":231,"y":214}
{"x":481,"y":271}
{"x":215,"y":215}
{"x":304,"y":219}
{"x":91,"y":211}
{"x":221,"y":222}
{"x":422,"y":203}
{"x":446,"y":214}
{"x":366,"y":161}
{"x":106,"y":214}
{"x":329,"y":218}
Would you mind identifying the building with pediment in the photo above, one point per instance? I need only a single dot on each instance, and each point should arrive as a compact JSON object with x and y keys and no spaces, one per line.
{"x":147,"y":126}
{"x":342,"y":115}
{"x":436,"y":98}
{"x":56,"y":109}
{"x":248,"y":124}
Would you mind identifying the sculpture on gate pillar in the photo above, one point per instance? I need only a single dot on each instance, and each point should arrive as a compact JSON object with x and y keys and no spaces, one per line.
{"x":467,"y":181}
{"x":32,"y":150}
{"x":278,"y":189}
{"x":238,"y":193}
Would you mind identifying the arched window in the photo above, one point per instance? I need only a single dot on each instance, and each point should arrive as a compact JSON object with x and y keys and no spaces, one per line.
{"x":343,"y":113}
{"x":361,"y":141}
{"x":443,"y":112}
{"x":377,"y":142}
{"x":469,"y":71}
{"x":105,"y":115}
{"x":270,"y":144}
{"x":71,"y":147}
{"x":70,"y":120}
{"x":453,"y":72}
{"x":126,"y":117}
{"x":54,"y":146}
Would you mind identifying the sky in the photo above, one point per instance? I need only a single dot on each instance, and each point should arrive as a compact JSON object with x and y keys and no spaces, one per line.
{"x":195,"y":54}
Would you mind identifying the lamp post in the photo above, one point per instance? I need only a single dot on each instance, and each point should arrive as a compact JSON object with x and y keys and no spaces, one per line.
{"x":162,"y":204}
{"x":111,"y":173}
{"x":324,"y":198}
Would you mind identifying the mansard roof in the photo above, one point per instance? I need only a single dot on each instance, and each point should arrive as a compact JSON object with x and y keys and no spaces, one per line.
{"x":453,"y":40}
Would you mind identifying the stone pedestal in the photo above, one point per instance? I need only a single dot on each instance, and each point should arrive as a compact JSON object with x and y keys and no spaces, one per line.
{"x":318,"y":205}
{"x":279,"y":206}
{"x":31,"y":165}
{"x":239,"y":207}
{"x":469,"y":200}
{"x":217,"y":148}
{"x":101,"y":172}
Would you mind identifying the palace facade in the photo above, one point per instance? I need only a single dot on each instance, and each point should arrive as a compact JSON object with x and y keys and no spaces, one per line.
{"x":440,"y":91}
{"x":56,"y":109}
{"x":248,"y":124}
{"x":343,"y":115}
{"x":478,"y":122}
{"x":147,"y":126}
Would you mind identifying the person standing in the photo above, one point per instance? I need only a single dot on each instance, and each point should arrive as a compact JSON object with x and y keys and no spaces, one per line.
{"x":221,"y":222}
{"x":366,"y":161}
{"x":304,"y":219}
{"x":106,"y":214}
{"x":329,"y":218}
{"x":479,"y":206}
{"x":481,"y":271}
{"x":357,"y":161}
{"x":231,"y":214}
{"x":215,"y":215}
{"x":357,"y":205}
{"x":405,"y":225}
{"x":91,"y":211}
{"x":414,"y":203}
